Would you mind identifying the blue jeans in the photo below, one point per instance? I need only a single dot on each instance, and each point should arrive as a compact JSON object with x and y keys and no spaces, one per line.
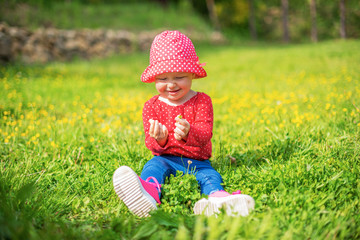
{"x":161,"y":167}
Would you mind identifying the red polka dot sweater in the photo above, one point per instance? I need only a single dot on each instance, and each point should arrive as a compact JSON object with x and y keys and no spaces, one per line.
{"x":198,"y":111}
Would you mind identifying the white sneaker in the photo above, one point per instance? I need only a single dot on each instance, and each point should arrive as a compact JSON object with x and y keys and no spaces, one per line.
{"x":234,"y":205}
{"x":138,"y":195}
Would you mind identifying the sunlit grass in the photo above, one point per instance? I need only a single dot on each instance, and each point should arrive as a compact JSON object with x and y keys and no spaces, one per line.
{"x":286,"y":131}
{"x":124,"y":15}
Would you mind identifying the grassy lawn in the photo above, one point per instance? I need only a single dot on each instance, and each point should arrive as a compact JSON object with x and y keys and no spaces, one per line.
{"x":132,"y":16}
{"x":286,"y":131}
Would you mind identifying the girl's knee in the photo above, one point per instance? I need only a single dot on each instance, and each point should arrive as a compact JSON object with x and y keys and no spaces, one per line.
{"x":213,"y":178}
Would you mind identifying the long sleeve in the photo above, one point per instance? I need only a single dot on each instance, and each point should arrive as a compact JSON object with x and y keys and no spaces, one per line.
{"x":201,"y":130}
{"x":147,"y":114}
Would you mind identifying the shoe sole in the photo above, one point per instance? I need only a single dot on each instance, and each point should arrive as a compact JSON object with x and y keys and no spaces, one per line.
{"x":130,"y":190}
{"x":234,"y":205}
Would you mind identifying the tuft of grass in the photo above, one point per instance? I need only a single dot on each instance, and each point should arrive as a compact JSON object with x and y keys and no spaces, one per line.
{"x":286,"y":132}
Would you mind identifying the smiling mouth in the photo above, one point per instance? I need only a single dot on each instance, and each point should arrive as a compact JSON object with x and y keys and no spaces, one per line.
{"x":173,"y":92}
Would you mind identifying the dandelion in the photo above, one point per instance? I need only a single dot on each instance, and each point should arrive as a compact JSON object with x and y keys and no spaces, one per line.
{"x":6,"y":86}
{"x":238,"y":121}
{"x":92,"y":139}
{"x":53,"y":144}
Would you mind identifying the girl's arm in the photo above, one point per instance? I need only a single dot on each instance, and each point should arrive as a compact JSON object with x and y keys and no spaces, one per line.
{"x":149,"y":120}
{"x":158,"y":131}
{"x":200,"y":132}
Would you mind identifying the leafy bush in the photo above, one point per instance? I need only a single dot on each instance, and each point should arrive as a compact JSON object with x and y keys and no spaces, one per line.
{"x":180,"y":193}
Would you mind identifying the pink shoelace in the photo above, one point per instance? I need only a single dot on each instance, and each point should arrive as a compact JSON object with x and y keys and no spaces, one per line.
{"x":158,"y":186}
{"x":237,"y":192}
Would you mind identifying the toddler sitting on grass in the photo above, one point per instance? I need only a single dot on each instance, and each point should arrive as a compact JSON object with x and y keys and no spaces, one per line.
{"x":178,"y":124}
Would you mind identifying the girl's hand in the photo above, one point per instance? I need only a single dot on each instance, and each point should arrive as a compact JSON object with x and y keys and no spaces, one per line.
{"x":182,"y":128}
{"x":158,"y":131}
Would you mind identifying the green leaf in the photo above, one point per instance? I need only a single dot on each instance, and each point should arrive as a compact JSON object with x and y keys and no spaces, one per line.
{"x":146,"y":230}
{"x":165,"y":219}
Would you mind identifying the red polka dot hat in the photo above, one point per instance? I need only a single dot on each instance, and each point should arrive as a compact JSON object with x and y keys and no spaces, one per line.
{"x":172,"y":51}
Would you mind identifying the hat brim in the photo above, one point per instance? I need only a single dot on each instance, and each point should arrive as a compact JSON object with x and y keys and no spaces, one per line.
{"x":175,"y":65}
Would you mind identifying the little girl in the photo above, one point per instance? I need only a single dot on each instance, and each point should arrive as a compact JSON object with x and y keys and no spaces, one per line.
{"x":178,"y":127}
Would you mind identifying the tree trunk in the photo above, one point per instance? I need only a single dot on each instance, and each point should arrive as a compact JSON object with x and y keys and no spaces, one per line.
{"x":212,"y":13}
{"x":164,"y":3}
{"x":342,"y":19}
{"x":285,"y":14}
{"x":252,"y":21}
{"x":314,"y":34}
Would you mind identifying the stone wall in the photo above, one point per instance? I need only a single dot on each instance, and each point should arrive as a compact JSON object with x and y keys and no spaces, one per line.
{"x":44,"y":45}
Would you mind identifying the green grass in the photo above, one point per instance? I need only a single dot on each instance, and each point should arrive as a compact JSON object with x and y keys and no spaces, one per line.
{"x":286,"y":131}
{"x":134,"y":17}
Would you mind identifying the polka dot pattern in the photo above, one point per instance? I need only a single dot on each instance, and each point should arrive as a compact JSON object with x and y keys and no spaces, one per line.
{"x":198,"y":111}
{"x":172,"y":51}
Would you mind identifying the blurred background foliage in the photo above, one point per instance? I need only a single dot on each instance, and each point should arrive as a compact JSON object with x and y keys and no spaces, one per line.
{"x":251,"y":19}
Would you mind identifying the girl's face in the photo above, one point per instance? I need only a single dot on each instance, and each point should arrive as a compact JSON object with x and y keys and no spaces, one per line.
{"x":174,"y":86}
